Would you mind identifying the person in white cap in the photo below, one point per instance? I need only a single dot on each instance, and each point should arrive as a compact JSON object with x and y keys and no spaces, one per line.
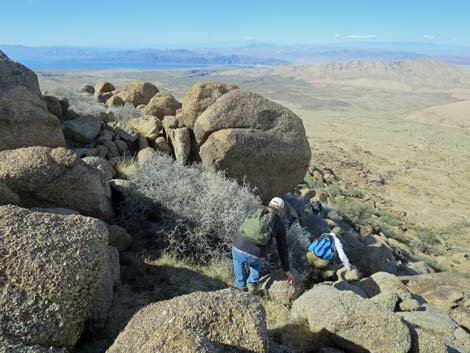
{"x":253,"y":241}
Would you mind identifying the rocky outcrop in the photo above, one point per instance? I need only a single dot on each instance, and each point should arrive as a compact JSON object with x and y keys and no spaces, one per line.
{"x":254,"y":140}
{"x":50,"y":269}
{"x":138,"y":92}
{"x":55,"y":178}
{"x":434,"y":323}
{"x":226,"y":320}
{"x":162,"y":104}
{"x":199,"y":97}
{"x":24,"y":118}
{"x":344,"y":319}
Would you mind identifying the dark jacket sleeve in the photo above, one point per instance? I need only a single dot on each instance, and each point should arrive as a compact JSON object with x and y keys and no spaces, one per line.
{"x":281,"y":241}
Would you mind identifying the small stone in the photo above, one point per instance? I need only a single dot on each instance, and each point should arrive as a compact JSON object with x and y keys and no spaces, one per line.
{"x":123,"y":148}
{"x":162,"y":145}
{"x":91,"y":152}
{"x":349,"y":276}
{"x":113,"y":150}
{"x":88,"y":89}
{"x":332,"y":224}
{"x":103,"y":97}
{"x":103,"y":87}
{"x":142,"y":143}
{"x":409,"y":305}
{"x":170,"y":122}
{"x":307,"y":193}
{"x":102,"y":151}
{"x":126,"y":133}
{"x":337,"y":230}
{"x":115,"y":101}
{"x":119,"y":238}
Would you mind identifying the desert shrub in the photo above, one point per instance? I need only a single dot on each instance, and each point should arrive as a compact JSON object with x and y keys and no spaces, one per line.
{"x":125,"y":113}
{"x":354,"y":210}
{"x":81,"y":103}
{"x":334,"y":190}
{"x":311,"y":182}
{"x":198,"y":211}
{"x":86,"y":104}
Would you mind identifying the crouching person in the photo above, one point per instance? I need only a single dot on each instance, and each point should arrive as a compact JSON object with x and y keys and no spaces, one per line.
{"x":253,"y":242}
{"x":324,"y":250}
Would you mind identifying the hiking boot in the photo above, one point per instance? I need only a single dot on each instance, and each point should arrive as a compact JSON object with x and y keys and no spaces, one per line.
{"x":244,"y":289}
{"x":253,"y":288}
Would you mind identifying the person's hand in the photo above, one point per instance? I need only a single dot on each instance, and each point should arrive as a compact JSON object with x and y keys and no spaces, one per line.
{"x":289,"y":277}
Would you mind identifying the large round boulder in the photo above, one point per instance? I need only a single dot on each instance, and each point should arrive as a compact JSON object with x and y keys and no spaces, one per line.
{"x":162,"y":104}
{"x":138,"y":92}
{"x":256,"y":140}
{"x":51,"y":267}
{"x":229,"y":319}
{"x":55,"y":178}
{"x":199,"y":97}
{"x":24,"y":117}
{"x":345,"y":320}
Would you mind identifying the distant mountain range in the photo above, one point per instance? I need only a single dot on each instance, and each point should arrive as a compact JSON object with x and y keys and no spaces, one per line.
{"x":252,"y":54}
{"x":72,"y":57}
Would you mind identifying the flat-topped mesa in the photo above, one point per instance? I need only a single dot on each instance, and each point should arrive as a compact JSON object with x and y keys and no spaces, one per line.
{"x":24,"y":118}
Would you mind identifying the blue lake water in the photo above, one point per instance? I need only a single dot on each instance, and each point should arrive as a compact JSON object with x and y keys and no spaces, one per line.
{"x":79,"y":64}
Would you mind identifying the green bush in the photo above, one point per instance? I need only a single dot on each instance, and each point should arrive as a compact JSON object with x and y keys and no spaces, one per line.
{"x":354,"y":210}
{"x":199,"y":211}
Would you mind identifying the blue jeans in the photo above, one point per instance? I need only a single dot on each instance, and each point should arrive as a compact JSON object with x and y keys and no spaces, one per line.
{"x":240,"y":260}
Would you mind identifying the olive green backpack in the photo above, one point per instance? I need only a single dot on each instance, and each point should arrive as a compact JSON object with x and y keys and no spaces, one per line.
{"x":258,"y":225}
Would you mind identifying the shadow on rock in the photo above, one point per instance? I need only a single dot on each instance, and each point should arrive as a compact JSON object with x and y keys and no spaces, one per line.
{"x":143,"y":284}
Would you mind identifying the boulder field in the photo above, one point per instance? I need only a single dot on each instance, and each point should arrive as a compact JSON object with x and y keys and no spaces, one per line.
{"x":61,"y":264}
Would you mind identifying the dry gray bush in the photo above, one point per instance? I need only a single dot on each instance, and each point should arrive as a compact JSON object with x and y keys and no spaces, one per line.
{"x":86,"y":104}
{"x":200,"y":211}
{"x":125,"y":113}
{"x":80,"y":103}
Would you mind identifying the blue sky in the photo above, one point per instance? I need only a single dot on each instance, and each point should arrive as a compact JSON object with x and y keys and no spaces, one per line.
{"x":147,"y":23}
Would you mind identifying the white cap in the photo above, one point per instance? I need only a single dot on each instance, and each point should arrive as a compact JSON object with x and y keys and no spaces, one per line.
{"x":277,"y":201}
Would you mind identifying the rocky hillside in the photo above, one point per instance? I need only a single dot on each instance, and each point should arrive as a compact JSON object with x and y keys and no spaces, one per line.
{"x":98,"y":188}
{"x":425,"y":72}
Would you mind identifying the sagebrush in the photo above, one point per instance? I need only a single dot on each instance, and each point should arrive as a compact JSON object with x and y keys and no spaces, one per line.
{"x":198,"y":211}
{"x":86,"y":104}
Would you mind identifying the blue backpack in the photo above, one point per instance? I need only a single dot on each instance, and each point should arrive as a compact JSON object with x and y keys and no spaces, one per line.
{"x":323,"y":247}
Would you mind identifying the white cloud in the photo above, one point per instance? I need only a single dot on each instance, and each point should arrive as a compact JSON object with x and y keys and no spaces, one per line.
{"x":356,"y":36}
{"x":428,"y":36}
